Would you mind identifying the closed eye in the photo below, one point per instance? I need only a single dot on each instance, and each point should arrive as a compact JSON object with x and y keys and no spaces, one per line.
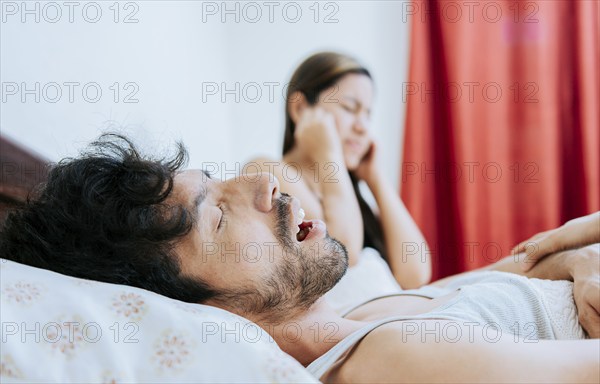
{"x":222,"y":220}
{"x":348,"y":108}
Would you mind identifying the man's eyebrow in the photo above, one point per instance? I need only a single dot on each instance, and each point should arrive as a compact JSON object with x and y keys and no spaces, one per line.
{"x":202,"y":194}
{"x":200,"y":197}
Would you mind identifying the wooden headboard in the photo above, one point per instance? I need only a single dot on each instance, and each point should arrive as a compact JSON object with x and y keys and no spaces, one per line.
{"x":20,"y":171}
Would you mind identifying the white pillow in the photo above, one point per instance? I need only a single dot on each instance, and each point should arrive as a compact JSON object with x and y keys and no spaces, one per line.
{"x":57,"y":328}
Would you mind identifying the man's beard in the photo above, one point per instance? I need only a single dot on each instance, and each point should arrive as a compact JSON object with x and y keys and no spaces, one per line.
{"x":300,"y":277}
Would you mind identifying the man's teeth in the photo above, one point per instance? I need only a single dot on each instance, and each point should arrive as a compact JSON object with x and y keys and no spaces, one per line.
{"x":303,"y":232}
{"x":301,"y":215}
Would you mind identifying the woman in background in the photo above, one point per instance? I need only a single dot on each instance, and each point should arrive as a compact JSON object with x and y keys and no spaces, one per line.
{"x":328,"y":148}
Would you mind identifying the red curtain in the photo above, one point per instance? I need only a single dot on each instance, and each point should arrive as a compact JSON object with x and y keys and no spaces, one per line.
{"x":502,"y":127}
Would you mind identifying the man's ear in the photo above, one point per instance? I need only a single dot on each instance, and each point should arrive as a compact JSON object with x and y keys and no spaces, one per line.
{"x":296,"y":105}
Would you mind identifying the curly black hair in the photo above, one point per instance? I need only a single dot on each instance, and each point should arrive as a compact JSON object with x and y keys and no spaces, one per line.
{"x":104,"y":216}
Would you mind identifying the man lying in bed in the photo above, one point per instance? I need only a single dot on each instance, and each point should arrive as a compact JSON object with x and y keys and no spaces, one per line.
{"x":114,"y":216}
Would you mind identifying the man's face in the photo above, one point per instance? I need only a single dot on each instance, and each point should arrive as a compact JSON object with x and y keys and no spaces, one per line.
{"x":245,"y":244}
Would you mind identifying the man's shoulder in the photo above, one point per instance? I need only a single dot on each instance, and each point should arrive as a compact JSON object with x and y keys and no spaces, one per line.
{"x":380,"y":355}
{"x":404,"y":351}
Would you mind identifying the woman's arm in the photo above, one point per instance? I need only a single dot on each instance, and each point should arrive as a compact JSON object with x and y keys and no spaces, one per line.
{"x":408,"y":252}
{"x":341,"y":211}
{"x":407,"y":249}
{"x":318,"y":141}
{"x":423,"y":352}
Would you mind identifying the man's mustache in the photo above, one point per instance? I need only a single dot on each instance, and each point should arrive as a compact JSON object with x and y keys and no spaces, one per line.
{"x":281,"y":205}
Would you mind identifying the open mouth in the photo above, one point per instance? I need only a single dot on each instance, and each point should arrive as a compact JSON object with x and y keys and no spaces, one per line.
{"x":303,"y":230}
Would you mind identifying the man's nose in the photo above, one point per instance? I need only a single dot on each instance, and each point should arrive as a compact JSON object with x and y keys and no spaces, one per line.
{"x":266,"y":189}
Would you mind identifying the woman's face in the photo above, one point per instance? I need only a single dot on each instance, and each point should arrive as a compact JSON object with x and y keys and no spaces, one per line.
{"x":350,"y":101}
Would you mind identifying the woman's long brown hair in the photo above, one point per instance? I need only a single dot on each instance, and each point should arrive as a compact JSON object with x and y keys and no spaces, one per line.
{"x":316,"y":74}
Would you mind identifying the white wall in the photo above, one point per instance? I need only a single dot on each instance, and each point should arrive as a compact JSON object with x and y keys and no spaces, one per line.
{"x":170,"y":53}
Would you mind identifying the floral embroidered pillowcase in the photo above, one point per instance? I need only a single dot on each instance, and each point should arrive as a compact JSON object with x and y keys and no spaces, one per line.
{"x":57,"y":328}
